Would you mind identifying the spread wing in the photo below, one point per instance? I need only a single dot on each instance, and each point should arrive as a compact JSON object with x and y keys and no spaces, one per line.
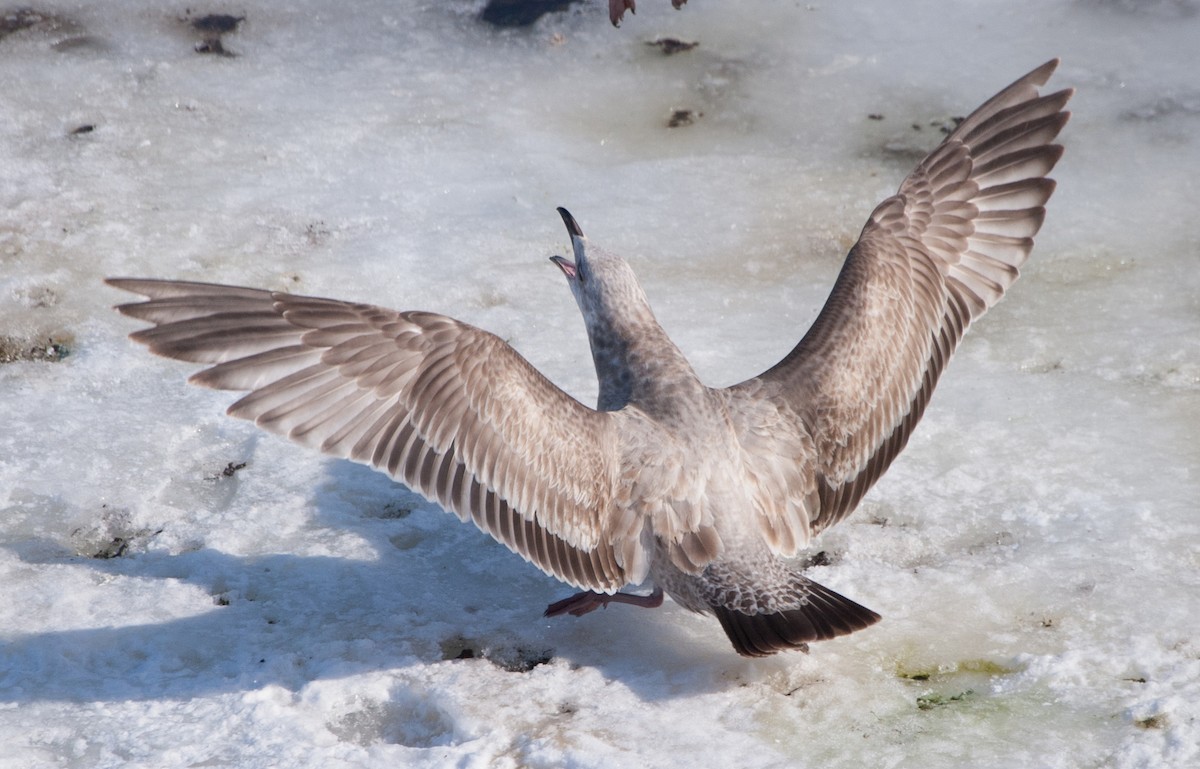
{"x":448,"y":409}
{"x":931,"y":259}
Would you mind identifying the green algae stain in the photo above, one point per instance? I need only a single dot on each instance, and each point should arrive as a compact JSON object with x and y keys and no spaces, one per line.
{"x":977,"y":667}
{"x":934,"y":700}
{"x":954,"y":683}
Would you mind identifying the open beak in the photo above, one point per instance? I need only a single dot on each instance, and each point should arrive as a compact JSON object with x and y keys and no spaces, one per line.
{"x":566,"y":265}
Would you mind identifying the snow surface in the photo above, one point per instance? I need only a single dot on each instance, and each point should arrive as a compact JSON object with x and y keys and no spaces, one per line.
{"x":1034,"y":551}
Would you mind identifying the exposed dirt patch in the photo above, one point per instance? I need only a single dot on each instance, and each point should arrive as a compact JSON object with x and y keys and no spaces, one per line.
{"x":111,"y":535}
{"x":228,"y":471}
{"x":212,"y":28}
{"x":67,"y":33}
{"x":671,"y":45}
{"x":514,"y":659}
{"x":49,"y":350}
{"x":392,"y":511}
{"x":931,"y":701}
{"x":217,"y":23}
{"x":1156,"y":721}
{"x":683,"y":117}
{"x":17,"y":19}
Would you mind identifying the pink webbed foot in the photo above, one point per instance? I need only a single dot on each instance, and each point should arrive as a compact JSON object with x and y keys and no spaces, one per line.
{"x":582,"y":603}
{"x":616,"y":9}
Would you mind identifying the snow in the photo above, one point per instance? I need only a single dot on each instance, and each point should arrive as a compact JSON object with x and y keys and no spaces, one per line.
{"x":1034,"y":551}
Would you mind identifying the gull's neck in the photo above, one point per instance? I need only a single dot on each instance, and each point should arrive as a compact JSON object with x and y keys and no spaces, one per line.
{"x":636,"y":362}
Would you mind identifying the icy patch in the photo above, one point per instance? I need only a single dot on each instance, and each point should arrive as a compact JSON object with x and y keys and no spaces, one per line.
{"x":183,"y":590}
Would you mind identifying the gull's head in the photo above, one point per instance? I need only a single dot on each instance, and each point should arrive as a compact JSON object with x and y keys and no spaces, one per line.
{"x":602,"y":283}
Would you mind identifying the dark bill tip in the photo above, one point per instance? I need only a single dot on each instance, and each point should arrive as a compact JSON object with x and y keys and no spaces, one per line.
{"x":572,"y":225}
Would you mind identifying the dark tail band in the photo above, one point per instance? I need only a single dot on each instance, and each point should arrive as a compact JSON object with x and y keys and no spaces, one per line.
{"x":826,"y":615}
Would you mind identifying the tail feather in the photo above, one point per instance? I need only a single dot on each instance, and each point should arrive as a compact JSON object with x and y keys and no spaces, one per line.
{"x":825,"y":615}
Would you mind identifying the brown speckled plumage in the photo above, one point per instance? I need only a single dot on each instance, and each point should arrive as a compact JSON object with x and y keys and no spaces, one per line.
{"x":710,"y":493}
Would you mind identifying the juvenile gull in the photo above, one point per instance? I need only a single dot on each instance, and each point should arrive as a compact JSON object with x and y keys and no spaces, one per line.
{"x":617,"y":8}
{"x":710,"y":494}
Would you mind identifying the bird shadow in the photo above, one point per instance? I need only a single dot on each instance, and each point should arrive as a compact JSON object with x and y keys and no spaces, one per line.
{"x":434,"y":590}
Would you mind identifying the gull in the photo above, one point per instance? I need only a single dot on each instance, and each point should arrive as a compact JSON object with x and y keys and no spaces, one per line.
{"x":709,"y":494}
{"x":617,"y":8}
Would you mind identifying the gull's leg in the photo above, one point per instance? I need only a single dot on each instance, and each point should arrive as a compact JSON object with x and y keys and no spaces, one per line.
{"x":616,"y":9}
{"x":582,"y":603}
